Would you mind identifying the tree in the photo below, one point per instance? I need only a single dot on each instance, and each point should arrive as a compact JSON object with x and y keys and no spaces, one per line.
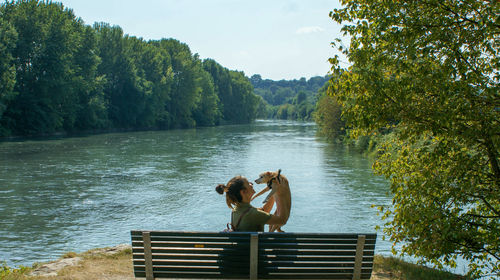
{"x":8,"y":37}
{"x":44,"y":55}
{"x":243,"y":101}
{"x":222,"y":87}
{"x":186,"y":90}
{"x":207,"y":112}
{"x":123,"y":89}
{"x":88,"y":85}
{"x":154,"y":80}
{"x":429,"y":70}
{"x":328,"y":116}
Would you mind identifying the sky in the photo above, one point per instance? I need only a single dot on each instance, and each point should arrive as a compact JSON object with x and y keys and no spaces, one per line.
{"x":277,"y":39}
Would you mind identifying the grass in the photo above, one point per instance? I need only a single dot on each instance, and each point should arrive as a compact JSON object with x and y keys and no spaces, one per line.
{"x":119,"y":267}
{"x":92,"y":266}
{"x":394,"y":268}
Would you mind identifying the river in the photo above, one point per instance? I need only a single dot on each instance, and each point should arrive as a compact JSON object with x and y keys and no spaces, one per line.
{"x":79,"y":193}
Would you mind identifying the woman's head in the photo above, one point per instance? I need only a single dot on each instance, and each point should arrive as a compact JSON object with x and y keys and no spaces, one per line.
{"x":237,"y":190}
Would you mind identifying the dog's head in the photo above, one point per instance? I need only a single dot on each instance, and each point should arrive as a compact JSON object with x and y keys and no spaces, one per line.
{"x":268,"y":178}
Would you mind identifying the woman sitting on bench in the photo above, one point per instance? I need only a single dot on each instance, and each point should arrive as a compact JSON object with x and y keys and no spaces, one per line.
{"x":245,"y":217}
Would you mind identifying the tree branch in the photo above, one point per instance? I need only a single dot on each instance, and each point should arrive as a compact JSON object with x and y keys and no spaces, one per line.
{"x":482,"y":217}
{"x":490,"y":206}
{"x":493,"y":157}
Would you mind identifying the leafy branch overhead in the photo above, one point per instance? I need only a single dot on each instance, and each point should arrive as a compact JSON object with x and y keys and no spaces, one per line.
{"x":428,"y":72}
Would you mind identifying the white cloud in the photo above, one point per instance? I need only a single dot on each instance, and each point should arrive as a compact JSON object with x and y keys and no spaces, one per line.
{"x":309,"y":29}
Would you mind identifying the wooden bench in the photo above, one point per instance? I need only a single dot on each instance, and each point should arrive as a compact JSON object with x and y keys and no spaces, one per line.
{"x":252,"y":255}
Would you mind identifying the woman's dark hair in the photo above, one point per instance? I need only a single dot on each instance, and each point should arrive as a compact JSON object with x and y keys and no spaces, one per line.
{"x":232,"y":190}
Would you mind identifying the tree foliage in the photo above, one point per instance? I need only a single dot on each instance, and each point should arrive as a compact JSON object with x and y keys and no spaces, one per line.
{"x":288,"y":99}
{"x":328,"y":116}
{"x":8,"y":37}
{"x":59,"y":75}
{"x":429,"y":70}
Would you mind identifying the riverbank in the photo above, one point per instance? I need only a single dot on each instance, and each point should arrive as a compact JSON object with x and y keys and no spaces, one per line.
{"x":115,"y":263}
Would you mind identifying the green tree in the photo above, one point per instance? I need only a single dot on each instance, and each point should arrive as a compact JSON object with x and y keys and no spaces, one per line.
{"x":243,"y":101}
{"x":300,"y":97}
{"x":124,"y":89}
{"x":430,"y":71}
{"x":8,"y":37}
{"x":222,"y":86}
{"x":154,"y":76}
{"x":47,"y":79}
{"x":263,"y":109}
{"x":283,"y":95}
{"x":185,"y":88}
{"x":207,"y":112}
{"x":91,"y":106}
{"x":328,"y":116}
{"x":157,"y":66}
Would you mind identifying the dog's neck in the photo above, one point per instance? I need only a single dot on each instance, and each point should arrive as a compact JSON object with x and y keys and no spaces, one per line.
{"x":270,"y":183}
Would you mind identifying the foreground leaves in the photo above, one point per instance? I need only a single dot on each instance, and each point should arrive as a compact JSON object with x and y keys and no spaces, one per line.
{"x":428,"y":72}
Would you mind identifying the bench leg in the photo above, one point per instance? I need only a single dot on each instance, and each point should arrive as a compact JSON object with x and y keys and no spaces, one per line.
{"x":148,"y":255}
{"x":254,"y":256}
{"x":358,"y":260}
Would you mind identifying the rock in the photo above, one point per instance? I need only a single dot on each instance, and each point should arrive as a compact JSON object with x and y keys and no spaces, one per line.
{"x":51,"y":269}
{"x":110,"y":250}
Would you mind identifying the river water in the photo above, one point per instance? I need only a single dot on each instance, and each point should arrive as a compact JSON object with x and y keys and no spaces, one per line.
{"x":75,"y":194}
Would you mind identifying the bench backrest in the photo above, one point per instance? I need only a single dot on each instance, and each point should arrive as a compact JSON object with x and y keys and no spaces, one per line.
{"x":252,"y":255}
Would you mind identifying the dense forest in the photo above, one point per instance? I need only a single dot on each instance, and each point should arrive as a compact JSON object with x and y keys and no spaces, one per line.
{"x":289,"y":99}
{"x":59,"y":75}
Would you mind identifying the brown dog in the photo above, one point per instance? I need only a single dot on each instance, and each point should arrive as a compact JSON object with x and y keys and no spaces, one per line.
{"x":278,"y":184}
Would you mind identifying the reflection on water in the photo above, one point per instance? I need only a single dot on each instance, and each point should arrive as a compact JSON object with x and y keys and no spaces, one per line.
{"x":79,"y":193}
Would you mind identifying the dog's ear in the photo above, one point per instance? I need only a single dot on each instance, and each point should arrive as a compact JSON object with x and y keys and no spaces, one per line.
{"x":269,"y":173}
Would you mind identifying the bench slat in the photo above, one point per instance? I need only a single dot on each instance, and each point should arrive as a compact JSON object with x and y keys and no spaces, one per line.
{"x":169,"y":244}
{"x":193,"y":239}
{"x":318,"y":275}
{"x":316,"y":235}
{"x":183,"y":234}
{"x":313,"y":258}
{"x":306,"y":236}
{"x":311,"y":264}
{"x":210,"y":251}
{"x":313,"y":252}
{"x":177,"y":275}
{"x":313,"y":241}
{"x":262,"y":235}
{"x":313,"y":246}
{"x":184,"y":272}
{"x":197,"y":269}
{"x":137,"y":256}
{"x":194,"y":263}
{"x":331,"y":270}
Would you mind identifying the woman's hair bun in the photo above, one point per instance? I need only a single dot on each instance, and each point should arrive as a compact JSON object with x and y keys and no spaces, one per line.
{"x":220,"y":188}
